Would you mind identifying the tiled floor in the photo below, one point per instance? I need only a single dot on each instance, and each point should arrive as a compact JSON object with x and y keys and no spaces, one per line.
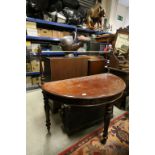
{"x":38,"y":142}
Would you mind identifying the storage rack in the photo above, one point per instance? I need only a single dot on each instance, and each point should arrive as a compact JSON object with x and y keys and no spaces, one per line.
{"x":53,"y":25}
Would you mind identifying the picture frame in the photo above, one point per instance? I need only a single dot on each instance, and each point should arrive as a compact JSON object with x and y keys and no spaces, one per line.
{"x":121,"y":43}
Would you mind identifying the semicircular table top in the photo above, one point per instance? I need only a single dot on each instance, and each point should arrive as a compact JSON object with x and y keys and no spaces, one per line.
{"x":88,"y":87}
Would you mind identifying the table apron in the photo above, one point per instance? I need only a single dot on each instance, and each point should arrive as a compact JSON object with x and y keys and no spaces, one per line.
{"x":77,"y":102}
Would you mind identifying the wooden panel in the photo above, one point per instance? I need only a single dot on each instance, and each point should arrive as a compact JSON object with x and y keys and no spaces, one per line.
{"x":64,"y":68}
{"x":121,"y":103}
{"x":47,"y":70}
{"x":95,"y":66}
{"x":114,"y":61}
{"x":77,"y":118}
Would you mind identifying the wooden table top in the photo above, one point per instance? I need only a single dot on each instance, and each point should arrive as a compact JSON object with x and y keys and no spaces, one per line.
{"x":88,"y":87}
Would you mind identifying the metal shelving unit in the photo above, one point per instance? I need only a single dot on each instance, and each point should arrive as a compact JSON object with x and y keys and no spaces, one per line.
{"x":40,"y":40}
{"x":64,"y":26}
{"x":52,"y":53}
{"x":44,"y":22}
{"x":60,"y":53}
{"x":46,"y":39}
{"x":32,"y":88}
{"x":86,"y":30}
{"x":32,"y":73}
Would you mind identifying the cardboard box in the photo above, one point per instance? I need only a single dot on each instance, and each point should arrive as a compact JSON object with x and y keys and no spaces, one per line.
{"x":36,"y":80}
{"x":28,"y":81}
{"x":44,"y":32}
{"x":28,"y":67}
{"x":55,"y":34}
{"x":65,"y":33}
{"x":31,"y":25}
{"x":61,"y":35}
{"x":32,"y":32}
{"x":31,"y":28}
{"x":35,"y":65}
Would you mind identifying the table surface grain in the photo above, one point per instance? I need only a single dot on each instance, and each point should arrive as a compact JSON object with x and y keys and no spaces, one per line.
{"x":88,"y":87}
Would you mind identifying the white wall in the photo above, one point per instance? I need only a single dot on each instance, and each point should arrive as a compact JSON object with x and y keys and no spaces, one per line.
{"x":122,"y":11}
{"x":114,"y":8}
{"x":127,"y":18}
{"x":112,"y":19}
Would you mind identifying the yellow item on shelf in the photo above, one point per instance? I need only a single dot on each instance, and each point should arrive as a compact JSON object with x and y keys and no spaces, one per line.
{"x":28,"y":81}
{"x":28,"y":43}
{"x":36,"y":80}
{"x":31,"y":25}
{"x":35,"y":65}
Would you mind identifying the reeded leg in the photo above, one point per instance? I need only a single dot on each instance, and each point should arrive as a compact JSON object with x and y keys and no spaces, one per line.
{"x":107,"y":117}
{"x":47,"y":112}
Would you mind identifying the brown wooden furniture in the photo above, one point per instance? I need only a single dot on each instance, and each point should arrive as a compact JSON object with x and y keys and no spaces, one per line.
{"x":96,"y":65}
{"x":89,"y":91}
{"x":119,"y":64}
{"x":121,"y":43}
{"x":60,"y":68}
{"x":121,"y":103}
{"x":106,"y":38}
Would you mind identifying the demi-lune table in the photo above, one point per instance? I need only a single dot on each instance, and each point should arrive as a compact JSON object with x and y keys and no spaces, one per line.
{"x":95,"y":90}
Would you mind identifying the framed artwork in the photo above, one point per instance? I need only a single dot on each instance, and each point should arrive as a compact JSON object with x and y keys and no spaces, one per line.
{"x":119,"y":18}
{"x":122,"y":42}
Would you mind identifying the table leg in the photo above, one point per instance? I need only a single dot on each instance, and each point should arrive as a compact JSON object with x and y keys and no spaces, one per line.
{"x":107,"y":117}
{"x":47,"y":112}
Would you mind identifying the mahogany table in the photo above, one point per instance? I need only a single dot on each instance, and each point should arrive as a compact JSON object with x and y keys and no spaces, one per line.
{"x":95,"y":90}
